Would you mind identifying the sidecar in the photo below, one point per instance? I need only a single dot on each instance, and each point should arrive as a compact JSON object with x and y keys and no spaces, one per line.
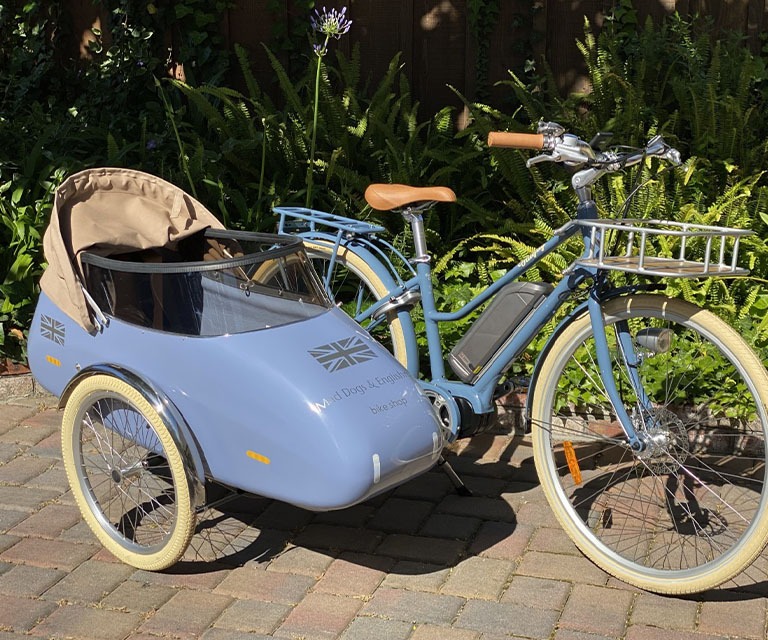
{"x":185,"y":353}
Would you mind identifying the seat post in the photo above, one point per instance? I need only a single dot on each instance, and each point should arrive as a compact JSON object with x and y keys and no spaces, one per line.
{"x":414,"y":218}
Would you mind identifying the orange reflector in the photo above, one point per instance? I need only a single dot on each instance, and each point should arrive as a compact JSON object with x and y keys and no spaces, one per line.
{"x":573,"y":463}
{"x":258,"y":457}
{"x":54,"y":361}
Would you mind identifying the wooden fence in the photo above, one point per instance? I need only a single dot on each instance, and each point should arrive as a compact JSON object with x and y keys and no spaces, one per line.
{"x":439,"y":45}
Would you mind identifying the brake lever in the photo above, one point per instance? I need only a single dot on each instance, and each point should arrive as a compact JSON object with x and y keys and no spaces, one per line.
{"x":542,"y":157}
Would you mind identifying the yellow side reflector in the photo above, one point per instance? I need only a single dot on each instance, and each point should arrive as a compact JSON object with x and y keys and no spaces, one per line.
{"x":258,"y":457}
{"x":573,"y":463}
{"x":54,"y":361}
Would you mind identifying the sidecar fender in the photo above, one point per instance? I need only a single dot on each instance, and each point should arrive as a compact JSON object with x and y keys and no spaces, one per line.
{"x":182,"y":435}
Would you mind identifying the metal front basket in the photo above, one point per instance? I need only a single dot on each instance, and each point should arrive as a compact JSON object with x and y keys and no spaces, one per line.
{"x":663,"y":248}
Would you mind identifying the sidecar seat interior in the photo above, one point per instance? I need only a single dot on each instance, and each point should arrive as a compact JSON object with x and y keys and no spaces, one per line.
{"x":151,"y":300}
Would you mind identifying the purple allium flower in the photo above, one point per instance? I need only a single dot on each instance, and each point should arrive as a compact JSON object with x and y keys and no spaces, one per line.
{"x":331,"y":22}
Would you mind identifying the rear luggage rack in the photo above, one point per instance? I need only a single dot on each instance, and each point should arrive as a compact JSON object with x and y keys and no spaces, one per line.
{"x":293,"y":219}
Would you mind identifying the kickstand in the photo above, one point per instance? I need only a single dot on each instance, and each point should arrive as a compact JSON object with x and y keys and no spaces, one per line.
{"x":458,"y":483}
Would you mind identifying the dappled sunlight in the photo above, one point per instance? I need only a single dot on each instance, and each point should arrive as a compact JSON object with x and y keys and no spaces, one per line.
{"x":442,"y":11}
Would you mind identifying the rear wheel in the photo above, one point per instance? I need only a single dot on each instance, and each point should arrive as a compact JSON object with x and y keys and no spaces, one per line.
{"x":126,"y":473}
{"x":354,"y":286}
{"x":689,"y":511}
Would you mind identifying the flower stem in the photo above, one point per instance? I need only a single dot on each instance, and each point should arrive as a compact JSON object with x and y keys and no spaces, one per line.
{"x":311,"y":163}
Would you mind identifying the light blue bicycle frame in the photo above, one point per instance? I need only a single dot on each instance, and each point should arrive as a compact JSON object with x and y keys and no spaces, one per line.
{"x":480,"y":393}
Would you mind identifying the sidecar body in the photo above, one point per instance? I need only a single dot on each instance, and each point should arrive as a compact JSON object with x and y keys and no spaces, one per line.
{"x":263,"y":384}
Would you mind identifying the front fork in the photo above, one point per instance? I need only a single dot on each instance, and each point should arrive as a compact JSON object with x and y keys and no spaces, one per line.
{"x":630,"y":362}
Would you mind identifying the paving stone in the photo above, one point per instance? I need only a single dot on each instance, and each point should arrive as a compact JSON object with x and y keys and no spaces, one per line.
{"x":609,"y":618}
{"x":270,"y":586}
{"x":326,"y":536}
{"x":54,"y":478}
{"x":21,"y":469}
{"x":501,"y":540}
{"x":354,"y":575}
{"x":56,"y":554}
{"x":435,"y":632}
{"x":219,"y":634}
{"x":431,"y":486}
{"x":398,"y":515}
{"x":25,"y":498}
{"x":12,"y":415}
{"x":537,"y":513}
{"x":655,"y":633}
{"x":553,"y":540}
{"x":364,"y":628}
{"x":745,"y":618}
{"x":253,"y":616}
{"x":21,"y":614}
{"x":90,"y":582}
{"x":485,"y":487}
{"x":178,"y":576}
{"x":413,"y":606}
{"x":34,"y":429}
{"x":319,"y":615}
{"x":670,"y":613}
{"x":444,"y":525}
{"x":548,"y":594}
{"x":416,"y":576}
{"x":494,"y":509}
{"x":9,"y":451}
{"x":570,"y":634}
{"x":133,"y":595}
{"x":512,"y":619}
{"x":49,"y":522}
{"x":561,"y":567}
{"x":302,"y":561}
{"x":81,"y":532}
{"x":475,"y":577}
{"x":187,"y":614}
{"x":49,"y":447}
{"x":87,"y":623}
{"x":7,"y":541}
{"x":282,"y":516}
{"x":422,"y":549}
{"x":9,"y":519}
{"x":28,"y":581}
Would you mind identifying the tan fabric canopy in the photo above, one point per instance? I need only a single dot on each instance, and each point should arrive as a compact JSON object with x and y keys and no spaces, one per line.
{"x":111,"y":211}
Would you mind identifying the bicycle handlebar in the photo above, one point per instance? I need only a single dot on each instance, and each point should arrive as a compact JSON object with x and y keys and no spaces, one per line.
{"x":559,"y":146}
{"x":510,"y":140}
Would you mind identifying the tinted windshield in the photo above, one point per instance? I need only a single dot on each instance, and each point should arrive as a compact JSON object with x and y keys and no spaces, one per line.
{"x":214,"y":283}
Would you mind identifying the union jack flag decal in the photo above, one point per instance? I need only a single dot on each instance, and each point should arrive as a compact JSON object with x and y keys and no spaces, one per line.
{"x":342,"y":353}
{"x":52,"y":329}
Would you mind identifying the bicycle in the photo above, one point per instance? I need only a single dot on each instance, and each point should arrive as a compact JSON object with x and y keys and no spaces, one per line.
{"x":651,"y":473}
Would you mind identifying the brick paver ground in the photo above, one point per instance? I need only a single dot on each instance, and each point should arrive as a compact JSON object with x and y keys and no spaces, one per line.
{"x":418,"y":563}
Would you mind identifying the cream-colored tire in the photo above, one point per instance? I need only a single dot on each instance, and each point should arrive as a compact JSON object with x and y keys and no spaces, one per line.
{"x":354,"y":286}
{"x":689,"y":512}
{"x":126,"y":473}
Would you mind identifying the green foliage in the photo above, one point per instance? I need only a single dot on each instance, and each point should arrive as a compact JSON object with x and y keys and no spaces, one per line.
{"x":241,"y":152}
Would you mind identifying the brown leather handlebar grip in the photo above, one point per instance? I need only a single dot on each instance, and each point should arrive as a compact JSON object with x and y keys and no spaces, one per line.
{"x":513,"y":140}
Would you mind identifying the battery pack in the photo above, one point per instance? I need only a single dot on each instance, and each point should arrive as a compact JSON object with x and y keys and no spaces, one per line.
{"x":494,"y":326}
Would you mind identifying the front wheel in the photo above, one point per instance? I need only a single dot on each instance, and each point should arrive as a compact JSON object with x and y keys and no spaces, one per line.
{"x":688,"y":512}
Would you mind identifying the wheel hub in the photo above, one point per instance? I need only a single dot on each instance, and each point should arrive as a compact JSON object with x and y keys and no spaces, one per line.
{"x":664,"y":437}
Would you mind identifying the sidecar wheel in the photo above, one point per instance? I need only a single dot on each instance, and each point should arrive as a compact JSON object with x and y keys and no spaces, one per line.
{"x":126,"y":473}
